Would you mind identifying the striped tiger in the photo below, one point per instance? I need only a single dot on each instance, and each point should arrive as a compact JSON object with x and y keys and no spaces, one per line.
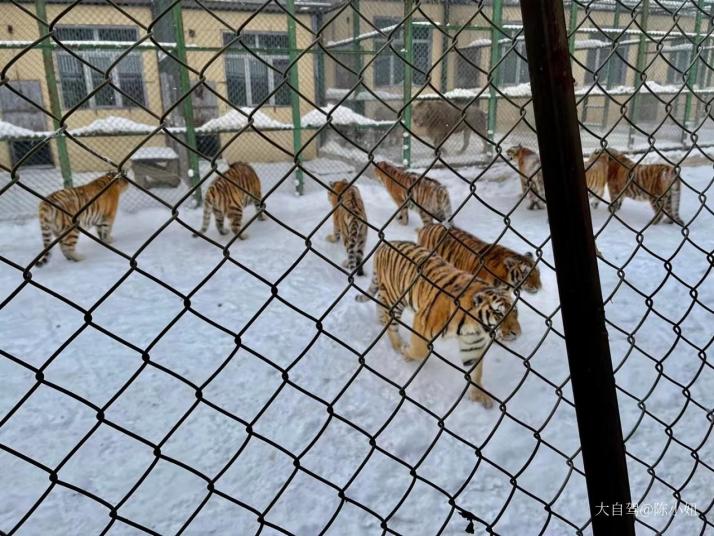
{"x":491,"y":263}
{"x":349,"y":221}
{"x":228,"y":194}
{"x":531,"y":175}
{"x":427,"y":196}
{"x":658,"y":184}
{"x":596,"y":171}
{"x":63,"y":212}
{"x":406,"y":274}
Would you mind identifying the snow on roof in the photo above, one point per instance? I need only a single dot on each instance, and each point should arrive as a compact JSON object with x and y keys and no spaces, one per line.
{"x":8,"y":130}
{"x":337,"y":93}
{"x":154,"y":153}
{"x":236,"y":120}
{"x":113,"y":125}
{"x":339,"y":115}
{"x":485,"y":42}
{"x":591,"y":43}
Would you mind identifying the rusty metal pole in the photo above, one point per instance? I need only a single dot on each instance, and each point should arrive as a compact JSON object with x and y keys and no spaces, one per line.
{"x":581,"y":302}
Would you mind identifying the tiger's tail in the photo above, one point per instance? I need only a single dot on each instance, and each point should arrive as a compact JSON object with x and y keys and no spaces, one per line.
{"x":46,"y":230}
{"x":206,"y":218}
{"x":675,"y":193}
{"x":372,"y":287}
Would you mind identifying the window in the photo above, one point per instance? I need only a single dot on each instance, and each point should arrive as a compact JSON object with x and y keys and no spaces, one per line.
{"x":612,"y":71}
{"x":678,"y":52}
{"x":389,"y":66}
{"x":514,"y":69}
{"x":78,"y":79}
{"x":467,"y":74}
{"x":345,"y":67}
{"x":250,"y":80}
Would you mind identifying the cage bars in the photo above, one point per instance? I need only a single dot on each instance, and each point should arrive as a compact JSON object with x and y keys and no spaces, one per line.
{"x":53,"y":93}
{"x":187,"y":104}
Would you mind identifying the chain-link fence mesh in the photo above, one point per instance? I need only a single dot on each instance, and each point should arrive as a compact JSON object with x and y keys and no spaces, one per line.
{"x":210,"y":386}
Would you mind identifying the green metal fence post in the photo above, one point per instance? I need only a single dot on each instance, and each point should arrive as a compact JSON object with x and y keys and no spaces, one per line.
{"x":357,"y":54}
{"x":493,"y":78}
{"x":444,"y":80}
{"x":187,"y":104}
{"x":295,"y":96}
{"x":55,"y":107}
{"x":573,"y":21}
{"x":694,"y":69}
{"x":408,"y":78}
{"x":641,"y":52}
{"x":608,"y":76}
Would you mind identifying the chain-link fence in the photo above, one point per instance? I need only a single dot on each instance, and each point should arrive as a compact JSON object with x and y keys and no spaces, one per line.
{"x":210,"y":385}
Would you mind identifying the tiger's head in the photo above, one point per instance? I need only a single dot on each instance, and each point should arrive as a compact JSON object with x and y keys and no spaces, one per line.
{"x":514,"y":152}
{"x":120,"y":181}
{"x":521,"y":270}
{"x":493,"y":309}
{"x":336,"y":188}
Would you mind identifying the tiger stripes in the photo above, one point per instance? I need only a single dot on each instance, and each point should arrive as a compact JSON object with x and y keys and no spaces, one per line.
{"x":63,"y":212}
{"x":408,"y":275}
{"x":658,"y":184}
{"x":493,"y":264}
{"x":531,"y":175}
{"x":427,"y":196}
{"x":349,"y":221}
{"x":228,"y":194}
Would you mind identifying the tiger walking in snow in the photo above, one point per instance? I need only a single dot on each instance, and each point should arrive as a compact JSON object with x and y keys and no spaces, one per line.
{"x":349,"y":221}
{"x":228,"y":195}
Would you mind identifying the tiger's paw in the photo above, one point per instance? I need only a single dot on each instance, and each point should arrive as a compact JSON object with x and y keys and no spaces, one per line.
{"x":331,"y":238}
{"x":477,"y":395}
{"x":223,"y":232}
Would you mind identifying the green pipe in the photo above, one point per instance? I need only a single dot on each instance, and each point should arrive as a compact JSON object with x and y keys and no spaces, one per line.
{"x":572,"y":25}
{"x":694,"y":69}
{"x":55,"y":107}
{"x":408,"y":79}
{"x":608,"y":76}
{"x":187,"y":104}
{"x":357,"y":51}
{"x":639,"y":72}
{"x":493,"y":78}
{"x":295,"y":96}
{"x":444,"y":82}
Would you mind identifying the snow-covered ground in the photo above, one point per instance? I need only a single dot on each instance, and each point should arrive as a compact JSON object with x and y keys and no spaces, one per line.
{"x":395,"y":463}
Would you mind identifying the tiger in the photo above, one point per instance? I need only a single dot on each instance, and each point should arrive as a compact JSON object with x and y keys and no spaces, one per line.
{"x":94,"y":204}
{"x":349,"y":221}
{"x":596,"y":171}
{"x":228,"y":194}
{"x":407,"y":274}
{"x":531,"y":175}
{"x":493,"y":264}
{"x":439,"y":117}
{"x":427,"y":196}
{"x":659,"y":184}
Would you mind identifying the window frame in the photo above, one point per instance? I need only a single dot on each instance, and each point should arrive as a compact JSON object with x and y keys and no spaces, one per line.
{"x":395,"y":62}
{"x":121,"y":101}
{"x":518,"y":51}
{"x":273,"y":72}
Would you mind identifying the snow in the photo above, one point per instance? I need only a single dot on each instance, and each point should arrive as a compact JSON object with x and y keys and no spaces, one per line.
{"x":236,"y":120}
{"x":154,"y":153}
{"x":338,"y":115}
{"x":113,"y":125}
{"x":196,"y":340}
{"x":591,"y":43}
{"x":9,"y":131}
